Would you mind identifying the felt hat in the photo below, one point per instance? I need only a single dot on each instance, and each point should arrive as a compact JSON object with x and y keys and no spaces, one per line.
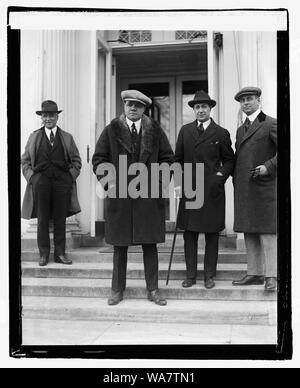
{"x":202,"y":97}
{"x":48,"y":106}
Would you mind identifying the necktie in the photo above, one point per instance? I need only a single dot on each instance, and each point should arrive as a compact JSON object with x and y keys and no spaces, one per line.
{"x":247,"y":124}
{"x":134,"y":135}
{"x":200,"y":129}
{"x":133,"y":130}
{"x":51,"y":138}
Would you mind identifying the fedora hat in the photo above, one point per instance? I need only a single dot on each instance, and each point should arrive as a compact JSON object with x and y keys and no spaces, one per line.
{"x":135,"y":95}
{"x":248,"y":91}
{"x":48,"y":106}
{"x":202,"y":97}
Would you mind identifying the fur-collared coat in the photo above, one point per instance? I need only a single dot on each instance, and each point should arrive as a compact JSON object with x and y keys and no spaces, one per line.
{"x":213,"y":149}
{"x":72,"y":159}
{"x":255,"y":200}
{"x":131,"y":221}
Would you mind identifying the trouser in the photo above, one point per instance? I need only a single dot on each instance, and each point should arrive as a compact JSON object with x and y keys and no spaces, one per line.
{"x":261,"y":254}
{"x":52,"y":197}
{"x":150,"y":257}
{"x":191,"y":254}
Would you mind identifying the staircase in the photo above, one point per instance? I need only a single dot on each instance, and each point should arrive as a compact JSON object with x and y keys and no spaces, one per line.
{"x":80,"y":291}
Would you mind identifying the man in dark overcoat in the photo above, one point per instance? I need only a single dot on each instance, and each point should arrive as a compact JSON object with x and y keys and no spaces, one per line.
{"x":203,"y":141}
{"x":50,"y":164}
{"x":255,"y":190}
{"x":132,"y":221}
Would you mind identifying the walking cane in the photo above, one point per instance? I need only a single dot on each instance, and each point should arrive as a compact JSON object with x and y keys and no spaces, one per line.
{"x":172,"y":250}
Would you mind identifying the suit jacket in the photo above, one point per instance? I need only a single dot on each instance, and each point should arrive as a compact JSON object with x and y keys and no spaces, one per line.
{"x":213,"y":149}
{"x":72,"y":158}
{"x":255,"y":200}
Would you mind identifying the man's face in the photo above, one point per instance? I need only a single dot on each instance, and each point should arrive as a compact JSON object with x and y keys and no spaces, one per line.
{"x":49,"y":120}
{"x":202,"y":112}
{"x":249,"y":104}
{"x":134,"y":110}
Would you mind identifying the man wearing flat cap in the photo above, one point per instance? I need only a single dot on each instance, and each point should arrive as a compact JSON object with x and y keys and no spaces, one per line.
{"x":50,"y":164}
{"x":203,"y":141}
{"x":128,"y":220}
{"x":255,"y":190}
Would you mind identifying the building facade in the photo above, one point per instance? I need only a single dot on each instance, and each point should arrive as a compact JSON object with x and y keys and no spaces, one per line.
{"x":85,"y":71}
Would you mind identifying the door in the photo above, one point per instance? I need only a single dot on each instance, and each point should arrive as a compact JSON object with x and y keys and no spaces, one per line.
{"x":169,"y":96}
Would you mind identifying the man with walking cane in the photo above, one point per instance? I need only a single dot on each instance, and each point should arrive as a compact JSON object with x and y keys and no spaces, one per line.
{"x":139,"y":220}
{"x":203,"y":142}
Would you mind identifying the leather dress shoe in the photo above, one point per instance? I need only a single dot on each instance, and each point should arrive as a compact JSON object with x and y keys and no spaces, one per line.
{"x":209,"y":283}
{"x":249,"y":280}
{"x":155,"y":297}
{"x":43,"y":261}
{"x":271,"y":284}
{"x":62,"y":259}
{"x":115,"y":298}
{"x":188,"y":283}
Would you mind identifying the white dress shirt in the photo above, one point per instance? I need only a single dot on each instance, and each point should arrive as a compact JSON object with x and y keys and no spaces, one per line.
{"x":205,"y":124}
{"x":136,"y":123}
{"x":48,"y":131}
{"x":253,"y":116}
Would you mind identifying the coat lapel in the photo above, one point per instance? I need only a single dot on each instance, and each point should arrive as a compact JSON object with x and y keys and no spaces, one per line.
{"x":65,"y":141}
{"x":149,"y":138}
{"x":36,"y":144}
{"x":257,"y":123}
{"x":122,"y":132}
{"x":208,"y":133}
{"x":193,"y":129}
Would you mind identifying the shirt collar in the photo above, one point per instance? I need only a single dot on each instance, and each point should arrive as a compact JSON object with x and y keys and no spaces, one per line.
{"x":253,"y":116}
{"x":136,"y":123}
{"x":54,"y":129}
{"x":205,"y":124}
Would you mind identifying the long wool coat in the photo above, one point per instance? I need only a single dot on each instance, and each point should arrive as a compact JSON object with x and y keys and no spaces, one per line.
{"x":255,"y":200}
{"x":213,"y":148}
{"x":72,"y":158}
{"x":130,"y":221}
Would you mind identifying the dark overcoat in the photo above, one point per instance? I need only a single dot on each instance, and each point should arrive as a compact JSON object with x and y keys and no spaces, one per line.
{"x":130,"y":221}
{"x":72,"y":158}
{"x":213,"y":149}
{"x":255,"y":200}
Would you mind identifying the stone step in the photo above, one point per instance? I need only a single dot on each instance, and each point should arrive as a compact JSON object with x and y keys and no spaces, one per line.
{"x":141,"y":310}
{"x":100,"y":288}
{"x":104,"y":255}
{"x":76,"y":240}
{"x":134,"y":270}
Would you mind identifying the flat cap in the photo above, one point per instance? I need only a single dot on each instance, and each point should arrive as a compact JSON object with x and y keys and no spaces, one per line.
{"x":135,"y":95}
{"x":248,"y":91}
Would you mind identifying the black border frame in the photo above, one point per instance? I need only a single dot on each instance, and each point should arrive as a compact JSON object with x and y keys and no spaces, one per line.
{"x":281,"y":351}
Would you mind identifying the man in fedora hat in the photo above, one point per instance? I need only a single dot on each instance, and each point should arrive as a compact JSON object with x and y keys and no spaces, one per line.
{"x":255,"y":190}
{"x":128,"y":220}
{"x":203,"y":141}
{"x":51,"y":165}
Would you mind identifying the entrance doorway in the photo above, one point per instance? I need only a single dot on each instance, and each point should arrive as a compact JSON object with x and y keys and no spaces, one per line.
{"x":170,"y":96}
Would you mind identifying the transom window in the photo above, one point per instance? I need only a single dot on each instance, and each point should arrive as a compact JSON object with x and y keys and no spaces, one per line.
{"x":190,"y":35}
{"x":135,"y":36}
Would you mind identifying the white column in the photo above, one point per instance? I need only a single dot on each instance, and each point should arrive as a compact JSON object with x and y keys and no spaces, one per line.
{"x":267,"y":71}
{"x":59,"y":75}
{"x":213,"y":73}
{"x":57,"y":80}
